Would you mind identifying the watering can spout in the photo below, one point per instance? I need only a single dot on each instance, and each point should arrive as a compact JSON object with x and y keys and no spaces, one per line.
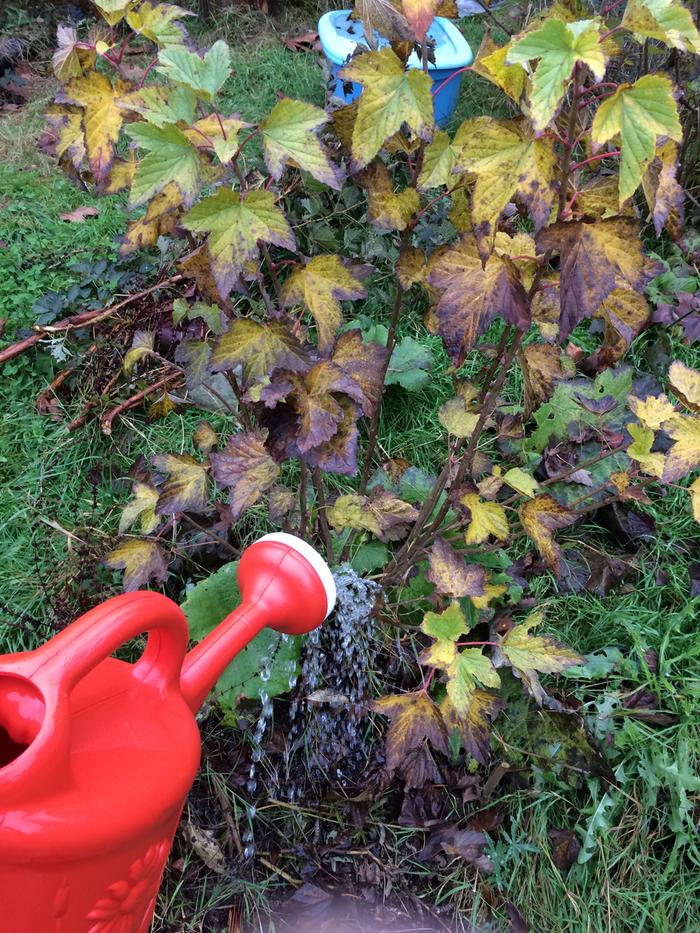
{"x":285,"y":585}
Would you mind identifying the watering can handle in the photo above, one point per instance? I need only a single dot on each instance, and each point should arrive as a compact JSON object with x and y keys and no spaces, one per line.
{"x":75,"y":651}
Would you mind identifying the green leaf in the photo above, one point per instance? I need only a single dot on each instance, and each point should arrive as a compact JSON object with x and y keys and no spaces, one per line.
{"x":537,"y":652}
{"x":666,"y":20}
{"x":207,"y":604}
{"x":235,"y":225}
{"x":392,"y":97}
{"x":521,"y":482}
{"x":161,"y":105}
{"x":369,"y":556}
{"x":639,"y":113}
{"x":290,"y":137}
{"x":171,"y":158}
{"x":558,"y":46}
{"x":410,"y":365}
{"x":470,"y":668}
{"x":447,"y":625}
{"x":158,"y":22}
{"x":438,"y":162}
{"x":205,"y":75}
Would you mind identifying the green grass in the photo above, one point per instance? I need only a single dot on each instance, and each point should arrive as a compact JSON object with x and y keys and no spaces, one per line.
{"x":646,"y":867}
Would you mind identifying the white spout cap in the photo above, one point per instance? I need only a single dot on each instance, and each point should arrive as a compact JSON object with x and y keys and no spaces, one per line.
{"x":314,"y":558}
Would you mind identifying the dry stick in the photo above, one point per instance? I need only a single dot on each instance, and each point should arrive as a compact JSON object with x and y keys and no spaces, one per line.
{"x":81,"y":320}
{"x":106,"y":423}
{"x":264,"y":249}
{"x":234,"y":552}
{"x":322,"y":516}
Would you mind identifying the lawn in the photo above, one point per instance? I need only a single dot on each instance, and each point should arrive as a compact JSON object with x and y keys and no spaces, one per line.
{"x":62,"y":493}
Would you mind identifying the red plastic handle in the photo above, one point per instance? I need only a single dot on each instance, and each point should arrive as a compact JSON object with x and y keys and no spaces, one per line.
{"x":73,"y":653}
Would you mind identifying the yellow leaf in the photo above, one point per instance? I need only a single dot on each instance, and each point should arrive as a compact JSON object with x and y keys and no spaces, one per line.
{"x":114,"y":10}
{"x":558,"y":46}
{"x":694,"y":491}
{"x":493,"y":592}
{"x":666,"y":20}
{"x":140,"y":560}
{"x":685,"y":383}
{"x":662,"y":191}
{"x":410,"y":267}
{"x":684,"y":455}
{"x":438,"y":162}
{"x":185,"y":489}
{"x":391,"y":97}
{"x":487,"y":519}
{"x":289,"y":136}
{"x":415,"y":719}
{"x":160,"y":219}
{"x":469,"y":668}
{"x":70,"y":139}
{"x":321,"y":285}
{"x":521,"y":482}
{"x":102,"y":118}
{"x":653,"y":411}
{"x":221,"y":134}
{"x":458,"y":416}
{"x":142,"y":507}
{"x":440,"y":654}
{"x":490,"y":63}
{"x":387,"y":209}
{"x":473,"y":723}
{"x":451,"y":574}
{"x":540,"y":517}
{"x":536,"y":652}
{"x":508,"y":160}
{"x":639,"y":113}
{"x":640,"y":450}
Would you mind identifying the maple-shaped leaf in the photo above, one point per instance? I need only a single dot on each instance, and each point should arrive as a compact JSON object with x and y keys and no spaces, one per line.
{"x":473,"y":295}
{"x":320,"y":286}
{"x":383,"y":18}
{"x":209,"y":313}
{"x":447,"y":625}
{"x":339,"y":454}
{"x":71,"y":58}
{"x":161,"y":105}
{"x":521,"y":482}
{"x":364,"y":363}
{"x":486,"y":519}
{"x":67,"y":126}
{"x":392,"y":96}
{"x":420,"y":14}
{"x":140,"y":560}
{"x":640,"y":450}
{"x":235,"y":226}
{"x":195,"y":357}
{"x":469,"y":668}
{"x":536,"y":652}
{"x":313,"y":396}
{"x":558,"y":46}
{"x":113,"y":10}
{"x":508,"y":160}
{"x":663,"y":192}
{"x":160,"y":219}
{"x":415,"y":719}
{"x":410,"y":267}
{"x":684,"y":455}
{"x":652,"y":411}
{"x":245,"y":468}
{"x":473,"y":723}
{"x":451,"y":574}
{"x":159,"y":22}
{"x":542,"y":367}
{"x":121,"y":176}
{"x":439,"y":161}
{"x":638,"y":113}
{"x":596,"y":258}
{"x":101,"y":118}
{"x":289,"y":136}
{"x":625,"y":313}
{"x":490,"y":63}
{"x":458,"y":415}
{"x":171,"y":158}
{"x":217,"y":133}
{"x":685,"y":383}
{"x":540,"y":517}
{"x":185,"y":489}
{"x":140,"y":508}
{"x":383,"y":514}
{"x":204,"y":74}
{"x":387,"y":209}
{"x":258,"y":349}
{"x":666,"y":20}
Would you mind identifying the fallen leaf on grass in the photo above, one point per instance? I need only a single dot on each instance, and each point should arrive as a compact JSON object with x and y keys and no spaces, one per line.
{"x":79,"y":214}
{"x":207,"y":848}
{"x":306,"y":42}
{"x":465,"y":843}
{"x":565,"y":848}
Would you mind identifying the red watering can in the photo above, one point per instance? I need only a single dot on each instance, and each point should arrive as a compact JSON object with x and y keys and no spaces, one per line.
{"x":97,"y":755}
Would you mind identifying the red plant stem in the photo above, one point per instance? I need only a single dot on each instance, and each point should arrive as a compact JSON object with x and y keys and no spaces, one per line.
{"x":596,"y":158}
{"x":455,"y":74}
{"x":599,"y":84}
{"x":246,"y":140}
{"x":570,"y":136}
{"x":148,"y":70}
{"x":430,"y":203}
{"x":106,"y":423}
{"x":592,"y":100}
{"x":610,"y":32}
{"x":607,"y":10}
{"x":428,"y":679}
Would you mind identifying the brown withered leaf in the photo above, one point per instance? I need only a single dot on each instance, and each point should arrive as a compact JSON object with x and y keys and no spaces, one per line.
{"x":565,"y":848}
{"x":474,"y":726}
{"x":387,"y":209}
{"x":281,"y":501}
{"x":205,"y":437}
{"x":452,"y":575}
{"x":160,"y":219}
{"x":415,"y":719}
{"x":185,"y":489}
{"x":419,"y":768}
{"x":195,"y":357}
{"x":79,"y":214}
{"x":384,"y":18}
{"x":246,"y":468}
{"x":543,"y":365}
{"x":314,"y":397}
{"x":662,"y":191}
{"x":474,"y":295}
{"x":197,"y":266}
{"x":339,"y":454}
{"x":410,"y":267}
{"x":626,"y":313}
{"x":596,"y":258}
{"x":463,"y":843}
{"x":258,"y":348}
{"x":364,"y":364}
{"x":540,"y":517}
{"x":141,"y":561}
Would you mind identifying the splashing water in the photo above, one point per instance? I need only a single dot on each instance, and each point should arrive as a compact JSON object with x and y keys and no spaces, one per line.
{"x":330,"y":703}
{"x":248,"y":838}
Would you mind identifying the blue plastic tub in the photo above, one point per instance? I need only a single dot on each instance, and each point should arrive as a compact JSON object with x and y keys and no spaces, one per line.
{"x":340,"y":36}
